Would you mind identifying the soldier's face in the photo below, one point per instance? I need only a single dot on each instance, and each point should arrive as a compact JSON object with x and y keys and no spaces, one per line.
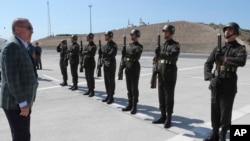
{"x":63,"y":45}
{"x":73,"y":40}
{"x":230,"y":33}
{"x":107,"y":37}
{"x":167,"y":34}
{"x":133,"y":37}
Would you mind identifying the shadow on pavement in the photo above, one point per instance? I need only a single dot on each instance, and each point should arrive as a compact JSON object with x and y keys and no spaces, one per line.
{"x":42,"y":79}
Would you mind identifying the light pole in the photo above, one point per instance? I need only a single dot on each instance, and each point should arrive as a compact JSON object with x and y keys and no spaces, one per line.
{"x":90,"y":6}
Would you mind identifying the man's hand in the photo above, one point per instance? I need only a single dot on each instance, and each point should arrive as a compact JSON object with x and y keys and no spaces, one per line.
{"x":25,"y":111}
{"x":157,"y":50}
{"x":219,"y":56}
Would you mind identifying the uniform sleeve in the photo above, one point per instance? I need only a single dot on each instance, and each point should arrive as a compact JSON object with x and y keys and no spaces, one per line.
{"x":175,"y":51}
{"x":208,"y":66}
{"x":239,"y":59}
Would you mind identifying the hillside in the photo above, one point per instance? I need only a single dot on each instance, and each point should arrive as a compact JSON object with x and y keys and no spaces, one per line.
{"x":193,"y":37}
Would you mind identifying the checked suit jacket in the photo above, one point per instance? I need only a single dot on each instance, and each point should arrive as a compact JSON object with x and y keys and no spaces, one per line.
{"x":19,"y":76}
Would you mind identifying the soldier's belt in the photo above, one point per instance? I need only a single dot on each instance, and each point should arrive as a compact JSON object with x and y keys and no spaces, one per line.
{"x":130,"y":59}
{"x":168,"y":62}
{"x":107,"y":59}
{"x":88,"y":56}
{"x":228,"y":69}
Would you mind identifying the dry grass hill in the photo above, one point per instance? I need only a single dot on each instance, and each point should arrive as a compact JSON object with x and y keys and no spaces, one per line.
{"x":193,"y":37}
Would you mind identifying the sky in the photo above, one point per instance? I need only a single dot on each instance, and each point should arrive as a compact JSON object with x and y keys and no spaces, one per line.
{"x":73,"y":16}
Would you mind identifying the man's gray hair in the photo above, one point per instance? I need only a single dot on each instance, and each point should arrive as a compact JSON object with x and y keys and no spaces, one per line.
{"x":18,"y":22}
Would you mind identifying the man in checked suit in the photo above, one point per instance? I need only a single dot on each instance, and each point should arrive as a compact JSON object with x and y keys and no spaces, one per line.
{"x":19,"y":80}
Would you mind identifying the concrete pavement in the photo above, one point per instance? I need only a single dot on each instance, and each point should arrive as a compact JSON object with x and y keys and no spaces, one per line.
{"x":60,"y":114}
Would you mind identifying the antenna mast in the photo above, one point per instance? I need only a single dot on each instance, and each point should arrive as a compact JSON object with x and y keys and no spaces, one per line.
{"x":49,"y":23}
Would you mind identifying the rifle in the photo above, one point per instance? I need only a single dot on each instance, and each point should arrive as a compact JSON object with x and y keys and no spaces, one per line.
{"x":81,"y":58}
{"x":217,"y":72}
{"x":123,"y":62}
{"x":155,"y":63}
{"x":99,"y":62}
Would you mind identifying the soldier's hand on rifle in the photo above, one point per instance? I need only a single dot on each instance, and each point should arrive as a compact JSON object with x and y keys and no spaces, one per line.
{"x":219,"y":56}
{"x":157,"y":50}
{"x":123,"y":52}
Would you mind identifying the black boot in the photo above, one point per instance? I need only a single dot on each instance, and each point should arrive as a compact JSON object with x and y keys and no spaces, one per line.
{"x":167,"y":123}
{"x":74,"y":87}
{"x":134,"y":108}
{"x":129,"y":107}
{"x":87,"y":93}
{"x":71,"y":87}
{"x":110,"y":100}
{"x":105,"y":99}
{"x":162,"y":119}
{"x":222,"y":135}
{"x":214,"y":136}
{"x":91,"y":93}
{"x":64,"y":83}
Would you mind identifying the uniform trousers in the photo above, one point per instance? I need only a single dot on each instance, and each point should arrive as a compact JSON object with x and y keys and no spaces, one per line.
{"x":63,"y":70}
{"x":221,"y":110}
{"x":89,"y":73}
{"x":166,"y":87}
{"x":132,"y":72}
{"x":109,"y":77}
{"x":74,"y":73}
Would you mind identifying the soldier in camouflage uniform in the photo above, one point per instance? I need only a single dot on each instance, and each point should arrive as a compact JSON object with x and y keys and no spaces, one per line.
{"x":109,"y":52}
{"x":89,"y":64}
{"x":62,"y":49}
{"x":132,"y":71}
{"x":167,"y":75}
{"x":73,"y":53}
{"x":231,"y":56}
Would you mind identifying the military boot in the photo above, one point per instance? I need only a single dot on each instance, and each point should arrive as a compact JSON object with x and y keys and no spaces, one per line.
{"x":74,"y":87}
{"x":167,"y":123}
{"x":162,"y":119}
{"x":134,"y":108}
{"x":64,"y":83}
{"x":214,"y":136}
{"x":222,"y":135}
{"x":71,"y":87}
{"x":105,"y":99}
{"x":129,"y":107}
{"x":87,"y":93}
{"x":91,"y":93}
{"x":110,"y":100}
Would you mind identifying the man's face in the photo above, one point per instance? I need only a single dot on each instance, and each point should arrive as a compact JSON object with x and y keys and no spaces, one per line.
{"x":107,"y":38}
{"x":73,"y":40}
{"x":64,"y":45}
{"x":166,"y":34}
{"x":229,"y":33}
{"x":24,"y":31}
{"x":133,"y":37}
{"x":88,"y":39}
